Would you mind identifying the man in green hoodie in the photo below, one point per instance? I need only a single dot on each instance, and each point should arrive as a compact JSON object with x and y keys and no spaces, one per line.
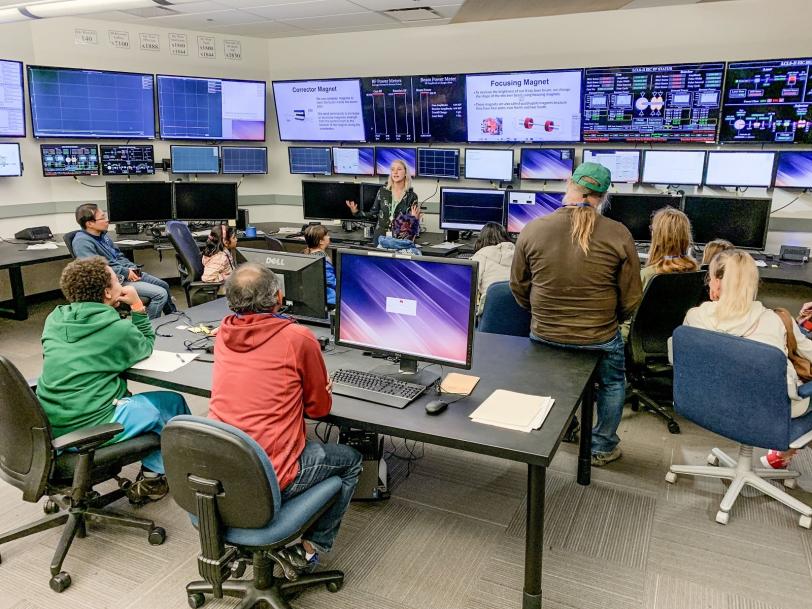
{"x":86,"y":345}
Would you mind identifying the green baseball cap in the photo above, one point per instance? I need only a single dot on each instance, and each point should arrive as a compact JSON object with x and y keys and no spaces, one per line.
{"x":595,"y":171}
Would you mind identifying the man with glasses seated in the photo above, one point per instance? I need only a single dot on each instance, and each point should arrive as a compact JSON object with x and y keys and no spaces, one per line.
{"x":93,"y":240}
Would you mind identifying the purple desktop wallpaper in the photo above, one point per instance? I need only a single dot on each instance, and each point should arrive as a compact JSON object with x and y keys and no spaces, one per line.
{"x":406,"y":306}
{"x":385,"y":156}
{"x":247,"y":130}
{"x":520,"y":214}
{"x":794,"y":170}
{"x":546,"y":164}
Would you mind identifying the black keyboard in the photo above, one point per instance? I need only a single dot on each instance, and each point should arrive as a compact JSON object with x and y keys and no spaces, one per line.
{"x":465,"y":255}
{"x":375,"y":388}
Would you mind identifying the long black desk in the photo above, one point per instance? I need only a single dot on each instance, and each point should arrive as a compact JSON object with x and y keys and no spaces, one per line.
{"x":14,"y":256}
{"x":501,"y":362}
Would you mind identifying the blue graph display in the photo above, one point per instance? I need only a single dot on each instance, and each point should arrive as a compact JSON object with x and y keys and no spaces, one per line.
{"x":195,"y":159}
{"x":245,"y":159}
{"x":68,"y":102}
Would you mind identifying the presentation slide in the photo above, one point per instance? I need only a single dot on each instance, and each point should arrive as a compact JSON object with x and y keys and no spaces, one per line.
{"x":12,"y":106}
{"x":439,"y":108}
{"x":319,"y":110}
{"x":524,"y":106}
{"x":388,"y":113}
{"x":623,"y":164}
{"x":10,"y":164}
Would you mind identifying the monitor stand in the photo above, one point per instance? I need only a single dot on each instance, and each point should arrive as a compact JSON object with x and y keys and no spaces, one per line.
{"x":409,"y":373}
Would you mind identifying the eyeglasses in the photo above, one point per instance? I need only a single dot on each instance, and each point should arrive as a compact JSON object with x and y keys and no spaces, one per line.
{"x":103,"y":216}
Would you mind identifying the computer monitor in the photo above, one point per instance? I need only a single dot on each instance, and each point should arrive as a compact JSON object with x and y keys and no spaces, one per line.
{"x":794,"y":170}
{"x":677,"y":167}
{"x":195,"y":159}
{"x":139,"y":201}
{"x":319,"y":110}
{"x":127,"y":160}
{"x":415,"y":308}
{"x":546,"y":163}
{"x":11,"y":164}
{"x":489,"y":164}
{"x":205,"y":200}
{"x":354,"y":161}
{"x":524,"y":206}
{"x":741,"y":220}
{"x":470,"y":208}
{"x":245,"y":159}
{"x":328,"y":200}
{"x":624,"y":164}
{"x":301,"y":279}
{"x":740,"y":169}
{"x":69,"y":160}
{"x":635,"y":211}
{"x":369,"y":190}
{"x":386,"y":155}
{"x":438,"y":163}
{"x":12,"y":105}
{"x":309,"y":159}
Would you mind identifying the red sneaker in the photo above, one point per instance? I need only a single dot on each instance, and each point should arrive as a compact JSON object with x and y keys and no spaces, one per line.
{"x":774,"y":460}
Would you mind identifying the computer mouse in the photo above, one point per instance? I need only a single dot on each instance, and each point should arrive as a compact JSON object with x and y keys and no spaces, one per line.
{"x":436,"y":407}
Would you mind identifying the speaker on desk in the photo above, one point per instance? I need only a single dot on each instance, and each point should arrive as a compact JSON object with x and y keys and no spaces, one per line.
{"x":34,"y":233}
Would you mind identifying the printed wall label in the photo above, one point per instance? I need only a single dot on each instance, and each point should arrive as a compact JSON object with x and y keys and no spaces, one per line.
{"x":178,"y":44}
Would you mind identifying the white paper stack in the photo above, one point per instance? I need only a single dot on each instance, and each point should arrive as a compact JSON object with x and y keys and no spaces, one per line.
{"x":511,"y":410}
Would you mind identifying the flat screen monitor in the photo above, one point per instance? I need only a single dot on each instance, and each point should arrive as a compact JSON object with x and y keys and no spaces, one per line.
{"x":546,"y":163}
{"x":12,"y":105}
{"x":195,"y":159}
{"x":319,"y":110}
{"x":354,"y":161}
{"x":524,"y":106}
{"x":127,"y":160}
{"x":328,"y":200}
{"x":794,"y":170}
{"x":301,"y":279}
{"x":635,"y":211}
{"x":524,"y":206}
{"x":205,"y":200}
{"x":470,"y":208}
{"x":306,"y":159}
{"x":385,"y":156}
{"x":11,"y":164}
{"x":624,"y":164}
{"x":742,"y":221}
{"x":69,"y":160}
{"x":664,"y":103}
{"x":192,"y":108}
{"x":678,"y":167}
{"x":369,"y":191}
{"x":139,"y":201}
{"x":418,"y":308}
{"x":489,"y":164}
{"x":740,"y":169}
{"x":244,"y":159}
{"x":438,"y":163}
{"x":72,"y":102}
{"x":768,"y":101}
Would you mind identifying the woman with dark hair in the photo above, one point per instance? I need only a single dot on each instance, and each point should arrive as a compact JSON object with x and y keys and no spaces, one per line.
{"x":218,"y":254}
{"x":317,"y":238}
{"x":493,"y":251}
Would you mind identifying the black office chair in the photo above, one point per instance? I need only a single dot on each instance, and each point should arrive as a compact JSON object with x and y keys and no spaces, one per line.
{"x":502,"y":314}
{"x":65,"y":469}
{"x":190,"y":265}
{"x":666,"y":300}
{"x":226,"y":482}
{"x":274,"y":244}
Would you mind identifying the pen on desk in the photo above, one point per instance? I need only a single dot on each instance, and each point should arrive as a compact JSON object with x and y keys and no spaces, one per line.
{"x":180,"y":357}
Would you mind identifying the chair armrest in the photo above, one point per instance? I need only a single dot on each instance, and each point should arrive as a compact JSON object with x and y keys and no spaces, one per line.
{"x":805,"y":390}
{"x":87,"y":439}
{"x":210,"y":286}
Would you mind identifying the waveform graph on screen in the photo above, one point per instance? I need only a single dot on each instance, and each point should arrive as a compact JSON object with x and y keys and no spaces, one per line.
{"x":388,"y":106}
{"x":190,"y":108}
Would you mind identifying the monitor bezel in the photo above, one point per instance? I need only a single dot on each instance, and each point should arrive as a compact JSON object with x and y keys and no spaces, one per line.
{"x":506,"y":208}
{"x":127,"y":183}
{"x":160,"y":135}
{"x":304,"y":213}
{"x":639,"y":161}
{"x":329,"y":150}
{"x":19,"y":159}
{"x":247,"y":173}
{"x":418,"y":174}
{"x":712,"y":152}
{"x":512,"y":164}
{"x":766,"y":200}
{"x":196,"y":184}
{"x":84,"y":136}
{"x":101,"y":155}
{"x":341,"y":252}
{"x":191,"y":173}
{"x":386,"y":174}
{"x":529,"y":149}
{"x":364,"y":175}
{"x":444,"y":226}
{"x":778,"y":164}
{"x":701,"y":173}
{"x":22,"y":96}
{"x":69,"y":175}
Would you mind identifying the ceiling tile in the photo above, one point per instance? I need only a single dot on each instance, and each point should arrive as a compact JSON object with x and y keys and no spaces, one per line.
{"x":252,"y":3}
{"x":205,"y":20}
{"x":356,"y":28}
{"x":340,"y":21}
{"x":198,"y":7}
{"x":387,"y":5}
{"x":301,"y":10}
{"x":261,"y":29}
{"x":447,"y":10}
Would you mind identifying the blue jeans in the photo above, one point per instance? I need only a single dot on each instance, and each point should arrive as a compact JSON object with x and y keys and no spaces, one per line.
{"x":317,"y":463}
{"x":148,"y":412}
{"x":611,"y":390}
{"x":157,"y":290}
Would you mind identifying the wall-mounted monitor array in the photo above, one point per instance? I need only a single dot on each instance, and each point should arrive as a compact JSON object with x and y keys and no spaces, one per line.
{"x":794,"y":170}
{"x":127,"y":160}
{"x":11,"y":164}
{"x":12,"y":104}
{"x":494,"y":164}
{"x":244,"y":159}
{"x":624,"y":164}
{"x":134,"y":201}
{"x":523,"y":206}
{"x":69,"y":160}
{"x":740,"y":169}
{"x":354,"y":161}
{"x":546,"y":163}
{"x":470,"y":208}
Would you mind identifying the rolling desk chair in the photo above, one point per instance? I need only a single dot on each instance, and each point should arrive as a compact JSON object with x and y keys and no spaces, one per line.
{"x":190,"y":265}
{"x":737,"y":388}
{"x":667,"y":298}
{"x":65,"y":469}
{"x":502,"y":314}
{"x":274,"y":244}
{"x":226,"y":482}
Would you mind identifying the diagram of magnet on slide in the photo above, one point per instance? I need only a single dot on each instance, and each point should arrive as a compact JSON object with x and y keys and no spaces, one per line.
{"x":531,"y":123}
{"x":492,"y":126}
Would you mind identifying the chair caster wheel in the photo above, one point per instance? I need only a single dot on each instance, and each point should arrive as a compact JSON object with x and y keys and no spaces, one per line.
{"x":671,"y":477}
{"x":124,"y":483}
{"x":156,"y":536}
{"x":60,"y":582}
{"x":713,"y":460}
{"x":790,"y":482}
{"x":238,"y":569}
{"x":722,"y":517}
{"x":335,"y":586}
{"x":50,"y":507}
{"x":805,"y":522}
{"x":673,"y":427}
{"x":196,"y":600}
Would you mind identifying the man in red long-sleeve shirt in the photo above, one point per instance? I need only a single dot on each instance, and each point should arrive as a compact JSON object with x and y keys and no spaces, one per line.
{"x":268,"y":375}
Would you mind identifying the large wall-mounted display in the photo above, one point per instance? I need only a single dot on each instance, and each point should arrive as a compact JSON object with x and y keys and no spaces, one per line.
{"x":319,"y":110}
{"x":12,"y":106}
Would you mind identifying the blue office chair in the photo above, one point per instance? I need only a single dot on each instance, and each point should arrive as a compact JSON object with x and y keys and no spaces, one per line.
{"x":737,"y":388}
{"x":190,"y":265}
{"x":226,"y":482}
{"x":502,"y":314}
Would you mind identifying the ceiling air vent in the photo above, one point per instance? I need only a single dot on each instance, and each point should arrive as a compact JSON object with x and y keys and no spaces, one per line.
{"x":418,"y":13}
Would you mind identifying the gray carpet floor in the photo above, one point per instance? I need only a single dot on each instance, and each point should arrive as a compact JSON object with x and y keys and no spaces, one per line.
{"x":452,"y":534}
